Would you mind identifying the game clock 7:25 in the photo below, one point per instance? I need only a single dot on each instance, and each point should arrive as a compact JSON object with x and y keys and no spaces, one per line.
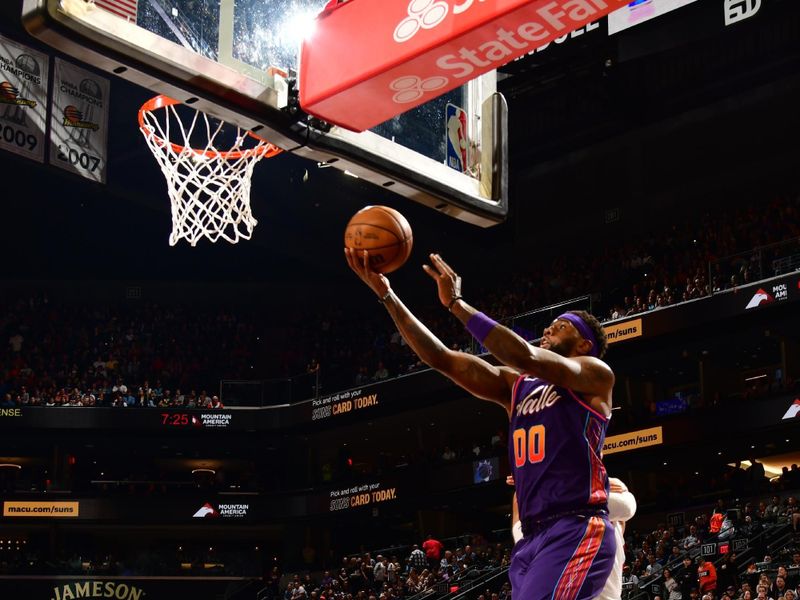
{"x":177,"y":419}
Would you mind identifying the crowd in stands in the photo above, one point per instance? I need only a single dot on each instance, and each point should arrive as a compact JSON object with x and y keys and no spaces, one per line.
{"x":426,"y":567}
{"x":56,"y":354}
{"x":670,"y":560}
{"x":665,"y":563}
{"x":65,"y":355}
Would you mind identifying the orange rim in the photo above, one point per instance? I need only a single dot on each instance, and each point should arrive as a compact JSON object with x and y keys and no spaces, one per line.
{"x":162,"y":101}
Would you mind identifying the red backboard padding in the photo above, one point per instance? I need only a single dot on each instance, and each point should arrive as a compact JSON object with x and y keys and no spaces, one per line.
{"x":370,"y":60}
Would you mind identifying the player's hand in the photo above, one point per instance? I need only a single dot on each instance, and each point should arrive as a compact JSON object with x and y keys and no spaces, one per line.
{"x":359,"y":262}
{"x":447,"y":281}
{"x":510,"y":480}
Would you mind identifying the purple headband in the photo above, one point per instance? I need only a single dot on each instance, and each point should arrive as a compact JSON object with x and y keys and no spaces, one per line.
{"x":584,"y":330}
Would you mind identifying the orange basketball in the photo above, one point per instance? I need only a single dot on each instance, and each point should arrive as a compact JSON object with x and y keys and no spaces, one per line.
{"x":383,"y":232}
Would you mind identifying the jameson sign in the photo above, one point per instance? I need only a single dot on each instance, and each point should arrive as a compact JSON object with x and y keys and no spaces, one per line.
{"x":97,"y":589}
{"x":116,"y":588}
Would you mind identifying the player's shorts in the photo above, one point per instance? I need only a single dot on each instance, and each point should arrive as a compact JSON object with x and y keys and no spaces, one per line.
{"x":568,"y":558}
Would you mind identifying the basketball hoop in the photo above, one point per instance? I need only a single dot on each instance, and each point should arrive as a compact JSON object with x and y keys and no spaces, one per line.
{"x":209,"y":188}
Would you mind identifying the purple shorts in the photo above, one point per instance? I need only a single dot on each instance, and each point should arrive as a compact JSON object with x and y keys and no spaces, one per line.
{"x":568,"y":559}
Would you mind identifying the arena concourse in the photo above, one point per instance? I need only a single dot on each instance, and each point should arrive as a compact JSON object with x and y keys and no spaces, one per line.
{"x":244,"y":422}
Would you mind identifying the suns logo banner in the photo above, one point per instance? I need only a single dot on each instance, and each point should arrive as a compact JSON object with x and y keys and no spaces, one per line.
{"x":23,"y":99}
{"x":79,"y":121}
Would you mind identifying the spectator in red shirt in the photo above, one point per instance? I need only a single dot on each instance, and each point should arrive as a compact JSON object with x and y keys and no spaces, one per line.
{"x":706,"y":576}
{"x":433,"y":550}
{"x":715,"y":524}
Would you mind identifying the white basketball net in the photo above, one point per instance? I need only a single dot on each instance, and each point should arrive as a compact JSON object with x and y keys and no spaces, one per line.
{"x":209,"y":188}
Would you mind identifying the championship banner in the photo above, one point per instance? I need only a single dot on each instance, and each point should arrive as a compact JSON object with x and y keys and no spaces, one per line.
{"x":79,"y":121}
{"x":23,"y":99}
{"x":633,"y":440}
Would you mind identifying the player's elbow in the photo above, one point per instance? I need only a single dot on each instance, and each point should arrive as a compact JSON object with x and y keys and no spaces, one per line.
{"x":442,"y":361}
{"x":621,"y":506}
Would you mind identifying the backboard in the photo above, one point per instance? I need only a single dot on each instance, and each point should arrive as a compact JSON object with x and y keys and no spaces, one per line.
{"x":238,"y":60}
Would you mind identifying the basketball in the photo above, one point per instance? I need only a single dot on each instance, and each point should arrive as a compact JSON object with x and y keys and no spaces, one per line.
{"x":383,"y":232}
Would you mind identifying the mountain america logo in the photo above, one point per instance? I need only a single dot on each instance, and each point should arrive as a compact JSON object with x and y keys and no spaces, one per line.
{"x":759,"y":298}
{"x":226,"y":511}
{"x":206,"y":511}
{"x":793,"y":411}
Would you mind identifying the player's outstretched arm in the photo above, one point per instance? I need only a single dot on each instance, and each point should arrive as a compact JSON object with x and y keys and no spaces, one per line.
{"x":584,"y":373}
{"x":475,"y":375}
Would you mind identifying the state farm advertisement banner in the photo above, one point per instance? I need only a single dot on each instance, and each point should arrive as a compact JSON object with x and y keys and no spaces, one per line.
{"x":404,"y":53}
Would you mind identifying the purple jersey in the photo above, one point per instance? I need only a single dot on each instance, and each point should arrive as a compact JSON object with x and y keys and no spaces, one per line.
{"x":555,"y":444}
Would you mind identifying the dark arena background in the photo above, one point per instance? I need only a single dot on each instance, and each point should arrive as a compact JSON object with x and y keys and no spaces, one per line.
{"x":241,"y":421}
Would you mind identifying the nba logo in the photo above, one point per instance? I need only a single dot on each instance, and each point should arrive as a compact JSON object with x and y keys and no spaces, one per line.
{"x":456,"y":138}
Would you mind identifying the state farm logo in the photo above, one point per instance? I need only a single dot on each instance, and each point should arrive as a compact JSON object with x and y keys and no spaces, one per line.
{"x":481,"y":50}
{"x":422,"y":14}
{"x":411,"y":88}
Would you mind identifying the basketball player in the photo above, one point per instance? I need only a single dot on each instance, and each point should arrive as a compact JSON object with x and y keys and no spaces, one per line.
{"x":621,"y":508}
{"x":558,"y":398}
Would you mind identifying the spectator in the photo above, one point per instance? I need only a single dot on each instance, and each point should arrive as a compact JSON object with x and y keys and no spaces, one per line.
{"x":417,"y":559}
{"x":691,"y":540}
{"x":653,"y":566}
{"x":379,"y":572}
{"x":727,"y":573}
{"x":671,"y":586}
{"x":706,"y":575}
{"x":772,"y":510}
{"x":433,"y":550}
{"x":15,"y":342}
{"x":381,"y":373}
{"x":756,"y":475}
{"x":778,"y":587}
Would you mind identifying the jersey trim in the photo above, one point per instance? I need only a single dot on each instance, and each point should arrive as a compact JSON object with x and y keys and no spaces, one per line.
{"x":574,"y":573}
{"x":514,"y":392}
{"x":586,"y":406}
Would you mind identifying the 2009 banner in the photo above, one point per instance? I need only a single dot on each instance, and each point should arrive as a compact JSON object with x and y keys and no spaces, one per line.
{"x":23,"y":99}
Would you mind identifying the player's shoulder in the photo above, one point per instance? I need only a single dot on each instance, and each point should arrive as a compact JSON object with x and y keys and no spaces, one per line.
{"x":595,"y":368}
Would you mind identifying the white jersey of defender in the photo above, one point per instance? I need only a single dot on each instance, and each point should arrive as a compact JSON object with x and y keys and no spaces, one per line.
{"x":621,"y":507}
